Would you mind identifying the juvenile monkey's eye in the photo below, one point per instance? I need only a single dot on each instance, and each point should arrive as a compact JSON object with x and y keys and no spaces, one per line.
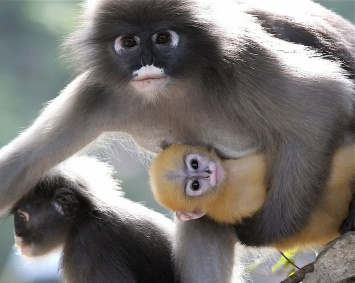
{"x":195,"y":185}
{"x":129,"y":41}
{"x":163,"y":37}
{"x":194,"y":164}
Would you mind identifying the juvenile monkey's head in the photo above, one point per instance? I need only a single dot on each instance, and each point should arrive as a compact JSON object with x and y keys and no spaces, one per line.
{"x":43,"y":217}
{"x":186,"y":179}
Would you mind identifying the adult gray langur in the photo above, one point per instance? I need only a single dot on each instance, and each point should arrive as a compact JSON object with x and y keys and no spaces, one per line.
{"x":239,"y":76}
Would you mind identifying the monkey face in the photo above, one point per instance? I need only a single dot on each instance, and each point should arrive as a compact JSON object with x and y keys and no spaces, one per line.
{"x":41,"y":222}
{"x":186,"y":179}
{"x":143,"y":45}
{"x":147,"y":57}
{"x":201,"y":173}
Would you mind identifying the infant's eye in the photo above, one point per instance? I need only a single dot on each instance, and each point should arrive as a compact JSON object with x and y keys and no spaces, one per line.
{"x":195,"y":185}
{"x":194,"y":164}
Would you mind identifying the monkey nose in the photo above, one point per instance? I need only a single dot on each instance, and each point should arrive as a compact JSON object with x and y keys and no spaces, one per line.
{"x":206,"y":174}
{"x":200,"y":175}
{"x":147,"y":60}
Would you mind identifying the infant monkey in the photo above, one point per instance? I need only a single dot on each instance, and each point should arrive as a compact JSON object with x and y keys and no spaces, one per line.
{"x":105,"y":237}
{"x":194,"y":181}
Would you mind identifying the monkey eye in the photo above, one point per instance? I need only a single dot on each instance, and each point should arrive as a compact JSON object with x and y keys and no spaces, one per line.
{"x":194,"y":164}
{"x":195,"y":185}
{"x":163,"y":37}
{"x":125,"y":42}
{"x":129,"y":41}
{"x":167,"y":37}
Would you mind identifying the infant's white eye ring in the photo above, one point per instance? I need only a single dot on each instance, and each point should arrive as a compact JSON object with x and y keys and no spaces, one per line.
{"x":194,"y":164}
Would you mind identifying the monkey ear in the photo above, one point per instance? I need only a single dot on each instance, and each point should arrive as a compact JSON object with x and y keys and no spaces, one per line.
{"x":66,"y":202}
{"x":165,"y":144}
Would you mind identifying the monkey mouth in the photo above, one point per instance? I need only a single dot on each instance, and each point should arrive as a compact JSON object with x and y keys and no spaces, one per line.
{"x":24,"y":246}
{"x":149,"y":79}
{"x":149,"y":83}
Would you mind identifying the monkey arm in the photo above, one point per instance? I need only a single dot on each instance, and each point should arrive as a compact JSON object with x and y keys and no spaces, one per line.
{"x":296,"y":183}
{"x":325,"y":221}
{"x":303,"y":139}
{"x":204,"y":251}
{"x":67,"y":124}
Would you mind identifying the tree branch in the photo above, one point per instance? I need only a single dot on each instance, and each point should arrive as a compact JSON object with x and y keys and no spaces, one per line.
{"x":335,"y":264}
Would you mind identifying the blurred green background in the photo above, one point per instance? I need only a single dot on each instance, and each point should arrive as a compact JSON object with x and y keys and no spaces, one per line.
{"x":31,"y":73}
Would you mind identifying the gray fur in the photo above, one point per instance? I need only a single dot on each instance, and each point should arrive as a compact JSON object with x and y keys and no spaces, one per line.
{"x":190,"y":239}
{"x":242,"y":79}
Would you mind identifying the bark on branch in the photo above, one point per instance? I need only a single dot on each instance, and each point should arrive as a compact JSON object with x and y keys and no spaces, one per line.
{"x":335,"y":264}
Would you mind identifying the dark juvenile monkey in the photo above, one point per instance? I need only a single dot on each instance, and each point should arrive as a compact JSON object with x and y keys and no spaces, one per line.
{"x":105,"y":237}
{"x":236,"y":75}
{"x":194,"y":181}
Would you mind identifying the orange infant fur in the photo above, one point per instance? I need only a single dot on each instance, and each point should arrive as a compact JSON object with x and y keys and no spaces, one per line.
{"x":243,"y":192}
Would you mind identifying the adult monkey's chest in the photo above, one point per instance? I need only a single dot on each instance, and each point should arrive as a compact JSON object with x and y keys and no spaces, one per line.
{"x":155,"y":128}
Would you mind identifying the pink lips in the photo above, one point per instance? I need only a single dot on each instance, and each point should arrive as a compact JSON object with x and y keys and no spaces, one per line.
{"x":148,"y":77}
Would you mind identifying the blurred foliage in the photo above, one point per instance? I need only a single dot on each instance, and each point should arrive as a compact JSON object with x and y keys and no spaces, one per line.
{"x":31,"y":74}
{"x":287,"y":262}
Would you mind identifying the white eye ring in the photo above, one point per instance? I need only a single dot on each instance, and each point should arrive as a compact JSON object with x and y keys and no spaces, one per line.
{"x":174,"y":40}
{"x":203,"y":187}
{"x":119,"y":45}
{"x":194,"y":157}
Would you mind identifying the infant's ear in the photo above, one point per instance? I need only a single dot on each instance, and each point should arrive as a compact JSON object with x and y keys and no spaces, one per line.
{"x":66,"y":203}
{"x":165,"y":144}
